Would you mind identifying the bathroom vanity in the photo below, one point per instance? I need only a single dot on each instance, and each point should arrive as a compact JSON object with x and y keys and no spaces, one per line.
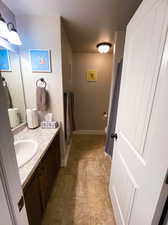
{"x":38,"y":175}
{"x":37,"y":150}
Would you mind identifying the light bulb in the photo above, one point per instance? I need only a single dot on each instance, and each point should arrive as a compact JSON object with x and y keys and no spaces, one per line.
{"x":14,"y":38}
{"x":3,"y":28}
{"x":104,"y":47}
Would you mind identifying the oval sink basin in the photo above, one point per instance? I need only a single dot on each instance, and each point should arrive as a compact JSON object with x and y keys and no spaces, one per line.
{"x":25,"y":151}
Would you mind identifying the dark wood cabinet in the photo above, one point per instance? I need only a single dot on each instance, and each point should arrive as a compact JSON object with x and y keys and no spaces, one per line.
{"x":43,"y":185}
{"x":48,"y":170}
{"x":33,"y":201}
{"x":38,"y":189}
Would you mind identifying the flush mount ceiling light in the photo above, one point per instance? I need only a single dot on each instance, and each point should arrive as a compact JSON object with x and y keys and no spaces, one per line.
{"x":13,"y":36}
{"x":3,"y":28}
{"x":104,"y":47}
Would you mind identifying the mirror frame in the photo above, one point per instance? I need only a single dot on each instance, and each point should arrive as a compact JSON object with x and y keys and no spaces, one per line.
{"x":6,"y":45}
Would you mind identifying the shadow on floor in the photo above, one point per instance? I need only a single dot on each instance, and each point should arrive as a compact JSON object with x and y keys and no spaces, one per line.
{"x":80,"y":194}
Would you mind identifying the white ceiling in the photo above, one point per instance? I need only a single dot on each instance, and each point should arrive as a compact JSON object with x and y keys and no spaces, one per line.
{"x":87,"y":22}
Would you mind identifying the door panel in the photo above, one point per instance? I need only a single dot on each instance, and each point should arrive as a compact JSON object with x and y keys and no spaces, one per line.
{"x":124,"y":179}
{"x":133,"y":156}
{"x":141,"y":72}
{"x":5,"y":213}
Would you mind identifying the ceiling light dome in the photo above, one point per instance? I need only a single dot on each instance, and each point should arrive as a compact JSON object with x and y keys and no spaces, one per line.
{"x":104,"y":47}
{"x":13,"y":36}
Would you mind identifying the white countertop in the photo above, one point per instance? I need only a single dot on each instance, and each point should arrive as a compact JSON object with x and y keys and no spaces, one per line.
{"x":44,"y":138}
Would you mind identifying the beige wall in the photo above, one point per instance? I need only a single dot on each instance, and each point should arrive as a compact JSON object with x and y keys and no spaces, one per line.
{"x":42,"y":32}
{"x":91,"y":98}
{"x":66,"y":60}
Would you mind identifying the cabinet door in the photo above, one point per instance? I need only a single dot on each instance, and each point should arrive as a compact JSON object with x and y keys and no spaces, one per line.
{"x":46,"y":176}
{"x":48,"y":170}
{"x":43,"y":183}
{"x":33,"y":201}
{"x":56,"y":147}
{"x":53,"y":163}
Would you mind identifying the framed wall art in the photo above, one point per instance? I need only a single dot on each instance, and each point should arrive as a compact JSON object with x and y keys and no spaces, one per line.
{"x":91,"y":75}
{"x":40,"y":61}
{"x":5,"y":64}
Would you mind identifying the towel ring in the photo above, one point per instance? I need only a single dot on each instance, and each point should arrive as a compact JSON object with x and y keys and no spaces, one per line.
{"x":42,"y":81}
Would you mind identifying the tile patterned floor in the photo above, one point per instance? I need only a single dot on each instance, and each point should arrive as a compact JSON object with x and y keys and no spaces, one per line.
{"x":80,"y":194}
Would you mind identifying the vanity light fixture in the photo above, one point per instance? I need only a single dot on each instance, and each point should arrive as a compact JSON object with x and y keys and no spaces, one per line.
{"x":13,"y":36}
{"x":104,"y":47}
{"x":4,"y":32}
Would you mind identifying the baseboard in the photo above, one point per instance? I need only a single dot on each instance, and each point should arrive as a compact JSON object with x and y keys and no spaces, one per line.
{"x":107,"y":155}
{"x":95,"y":132}
{"x":65,"y":160}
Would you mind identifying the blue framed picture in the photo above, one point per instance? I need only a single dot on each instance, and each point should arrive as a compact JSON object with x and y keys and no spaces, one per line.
{"x":40,"y":61}
{"x":4,"y":60}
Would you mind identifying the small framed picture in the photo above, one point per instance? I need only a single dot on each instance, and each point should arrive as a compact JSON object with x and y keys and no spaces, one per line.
{"x":40,"y":60}
{"x":5,"y":65}
{"x":91,"y":75}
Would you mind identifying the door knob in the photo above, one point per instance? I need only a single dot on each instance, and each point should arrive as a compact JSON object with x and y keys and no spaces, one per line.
{"x":114,"y":136}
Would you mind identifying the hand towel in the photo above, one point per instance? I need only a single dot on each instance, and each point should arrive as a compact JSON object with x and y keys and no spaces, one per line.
{"x":41,"y":99}
{"x":69,"y":115}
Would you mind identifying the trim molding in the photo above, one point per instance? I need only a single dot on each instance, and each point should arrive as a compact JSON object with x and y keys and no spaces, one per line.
{"x":93,"y":132}
{"x":65,"y":160}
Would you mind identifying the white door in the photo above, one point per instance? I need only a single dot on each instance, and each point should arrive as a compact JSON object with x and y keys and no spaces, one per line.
{"x":5,"y":213}
{"x":10,"y":186}
{"x":140,"y":157}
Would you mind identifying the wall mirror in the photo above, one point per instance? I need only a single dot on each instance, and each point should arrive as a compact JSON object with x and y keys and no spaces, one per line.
{"x":11,"y":76}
